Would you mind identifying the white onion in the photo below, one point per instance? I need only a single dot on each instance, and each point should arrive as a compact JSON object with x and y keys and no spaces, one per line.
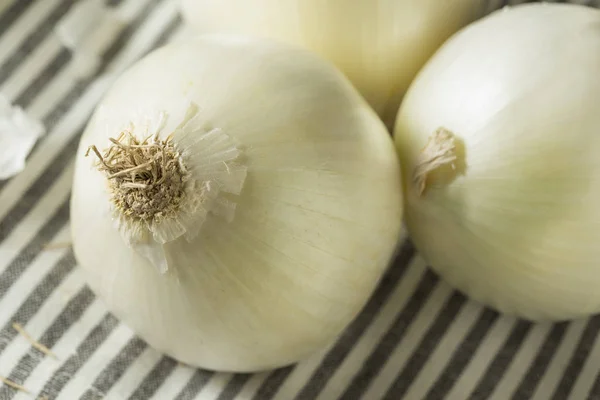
{"x":510,"y":212}
{"x":379,"y":44}
{"x":290,"y":214}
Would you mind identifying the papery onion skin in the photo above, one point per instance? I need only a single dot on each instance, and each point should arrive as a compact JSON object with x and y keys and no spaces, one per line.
{"x":379,"y":44}
{"x":315,"y":225}
{"x":516,"y":224}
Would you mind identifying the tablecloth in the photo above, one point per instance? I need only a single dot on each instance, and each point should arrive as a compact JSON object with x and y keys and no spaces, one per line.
{"x":415,"y":339}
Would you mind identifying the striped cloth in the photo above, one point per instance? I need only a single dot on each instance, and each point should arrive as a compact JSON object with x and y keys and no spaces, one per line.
{"x":415,"y":339}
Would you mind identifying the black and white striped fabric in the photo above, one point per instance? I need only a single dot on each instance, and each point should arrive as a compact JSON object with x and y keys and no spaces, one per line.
{"x":415,"y":339}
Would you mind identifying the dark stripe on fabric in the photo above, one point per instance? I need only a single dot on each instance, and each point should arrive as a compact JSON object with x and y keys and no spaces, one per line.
{"x":13,"y":13}
{"x":336,"y":356}
{"x":115,"y":369}
{"x":463,"y":355}
{"x":195,"y":385}
{"x":69,"y":315}
{"x":502,"y":360}
{"x":426,"y":347}
{"x":154,"y":379}
{"x":63,"y":106}
{"x":37,"y":298}
{"x":47,"y":232}
{"x":392,"y":338}
{"x":578,"y":358}
{"x":34,"y":39}
{"x":594,"y":393}
{"x":84,"y":351}
{"x":273,"y":383}
{"x":38,"y":84}
{"x":234,"y":386}
{"x":538,"y":367}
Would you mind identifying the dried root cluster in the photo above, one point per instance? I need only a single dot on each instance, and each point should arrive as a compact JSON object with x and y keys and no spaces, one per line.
{"x":146,"y":177}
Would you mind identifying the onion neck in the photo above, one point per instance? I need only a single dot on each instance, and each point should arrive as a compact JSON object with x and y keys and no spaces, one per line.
{"x":441,"y":160}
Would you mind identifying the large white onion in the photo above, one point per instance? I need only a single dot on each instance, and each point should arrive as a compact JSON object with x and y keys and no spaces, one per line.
{"x":301,"y":183}
{"x":379,"y":44}
{"x":516,"y":223}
